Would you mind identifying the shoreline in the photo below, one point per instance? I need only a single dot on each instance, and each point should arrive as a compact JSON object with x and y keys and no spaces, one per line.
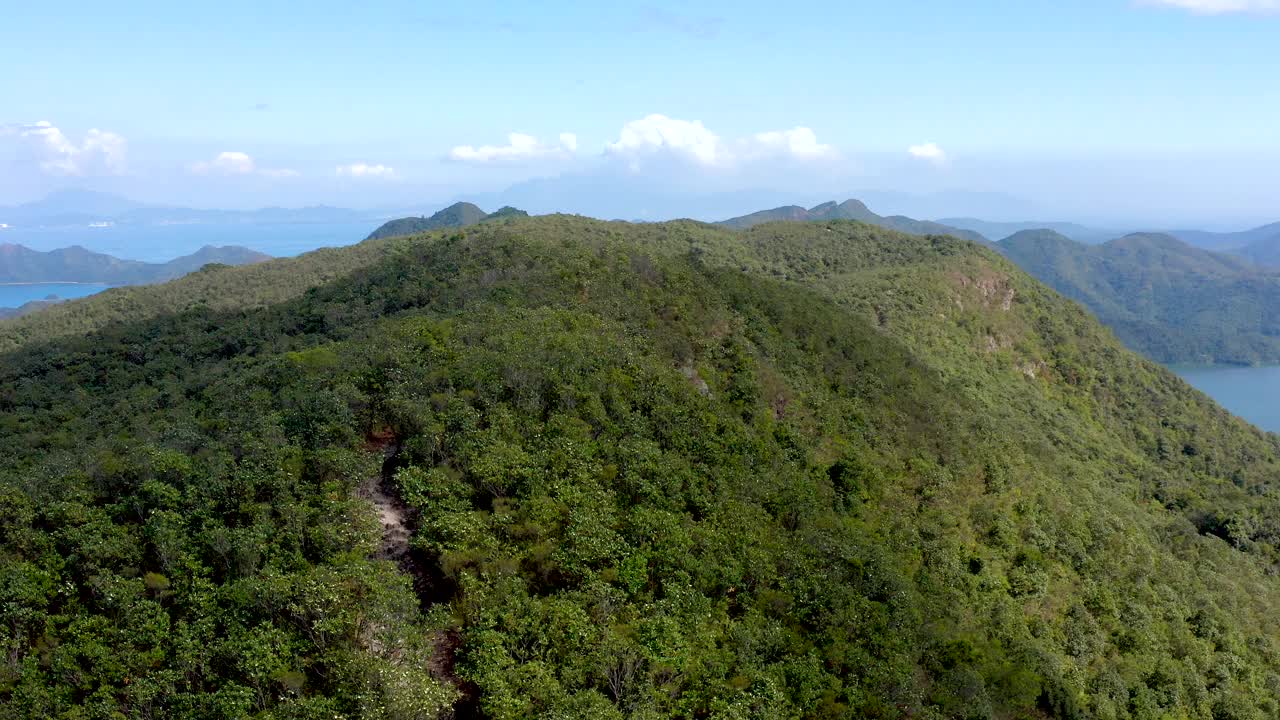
{"x":54,"y":282}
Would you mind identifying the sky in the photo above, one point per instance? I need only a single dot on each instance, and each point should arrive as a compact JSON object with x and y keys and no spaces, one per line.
{"x":1105,"y":110}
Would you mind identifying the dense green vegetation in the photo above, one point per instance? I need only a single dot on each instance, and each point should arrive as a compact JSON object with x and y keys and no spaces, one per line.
{"x":849,"y":210}
{"x":1166,"y":299}
{"x":216,"y":287}
{"x":457,"y":215}
{"x":811,"y":470}
{"x":20,"y":264}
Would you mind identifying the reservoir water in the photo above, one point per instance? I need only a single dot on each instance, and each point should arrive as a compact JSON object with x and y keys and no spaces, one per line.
{"x":1253,"y":393}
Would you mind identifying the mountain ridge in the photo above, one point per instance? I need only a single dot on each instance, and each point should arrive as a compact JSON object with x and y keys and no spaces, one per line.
{"x":666,"y":470}
{"x":20,"y":264}
{"x":1163,"y":297}
{"x":848,"y":210}
{"x":457,"y":215}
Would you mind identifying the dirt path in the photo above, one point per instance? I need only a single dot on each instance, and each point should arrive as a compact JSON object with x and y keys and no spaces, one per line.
{"x":397,"y":531}
{"x":397,"y":521}
{"x":395,"y":517}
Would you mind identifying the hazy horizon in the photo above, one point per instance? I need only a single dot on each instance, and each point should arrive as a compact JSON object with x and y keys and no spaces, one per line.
{"x":1101,"y":112}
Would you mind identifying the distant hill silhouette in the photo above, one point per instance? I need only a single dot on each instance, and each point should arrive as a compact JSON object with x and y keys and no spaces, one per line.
{"x":456,"y":215}
{"x":20,"y":264}
{"x":849,"y":210}
{"x":1163,"y":297}
{"x":995,"y":229}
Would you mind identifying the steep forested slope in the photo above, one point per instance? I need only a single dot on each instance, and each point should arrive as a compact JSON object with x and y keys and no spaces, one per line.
{"x":1164,"y":298}
{"x":806,"y":470}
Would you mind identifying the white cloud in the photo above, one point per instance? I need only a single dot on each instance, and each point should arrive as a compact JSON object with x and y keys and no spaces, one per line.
{"x":101,"y":152}
{"x":1220,"y":7}
{"x":928,"y":151}
{"x":799,"y":142}
{"x":658,"y":135}
{"x":519,"y":148}
{"x":365,"y":170}
{"x":226,"y":163}
{"x":233,"y":162}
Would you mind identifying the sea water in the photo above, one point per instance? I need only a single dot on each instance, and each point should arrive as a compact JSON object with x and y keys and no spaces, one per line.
{"x":12,"y":296}
{"x":160,"y":243}
{"x":1252,"y":393}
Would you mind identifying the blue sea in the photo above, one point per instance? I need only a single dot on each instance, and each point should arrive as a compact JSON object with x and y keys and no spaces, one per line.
{"x":12,"y":296}
{"x":1252,"y":393}
{"x":159,"y":243}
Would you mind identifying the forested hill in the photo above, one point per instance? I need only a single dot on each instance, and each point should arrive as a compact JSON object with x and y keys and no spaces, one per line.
{"x":814,"y":470}
{"x":1164,"y":298}
{"x":849,"y":210}
{"x":457,"y":215}
{"x":19,"y":264}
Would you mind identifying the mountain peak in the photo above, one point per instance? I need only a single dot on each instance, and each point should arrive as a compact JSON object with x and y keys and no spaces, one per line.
{"x":459,"y":214}
{"x":848,"y":210}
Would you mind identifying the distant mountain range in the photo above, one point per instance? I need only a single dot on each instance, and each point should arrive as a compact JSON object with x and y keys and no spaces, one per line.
{"x":1162,"y":296}
{"x":1260,"y":244}
{"x":623,"y":198}
{"x":457,"y":215}
{"x":1174,"y":302}
{"x":20,"y":264}
{"x":82,"y":207}
{"x":849,"y":210}
{"x":996,"y":230}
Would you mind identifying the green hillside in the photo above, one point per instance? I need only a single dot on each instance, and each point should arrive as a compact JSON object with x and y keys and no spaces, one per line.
{"x":1164,"y":298}
{"x":458,"y":215}
{"x":806,"y":470}
{"x":849,"y":210}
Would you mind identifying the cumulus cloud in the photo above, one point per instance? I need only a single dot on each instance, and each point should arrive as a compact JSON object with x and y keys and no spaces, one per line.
{"x":928,"y":151}
{"x":519,"y":148}
{"x":799,"y":142}
{"x":226,"y":163}
{"x":365,"y":170}
{"x":658,"y":133}
{"x":690,"y":140}
{"x":101,"y":152}
{"x":233,"y":162}
{"x":1220,"y":7}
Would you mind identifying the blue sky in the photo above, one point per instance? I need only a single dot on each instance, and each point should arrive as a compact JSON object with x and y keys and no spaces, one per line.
{"x":1093,"y":108}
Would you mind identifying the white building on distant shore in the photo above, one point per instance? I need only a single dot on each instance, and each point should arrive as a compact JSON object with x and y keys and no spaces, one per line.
{"x":4,"y":226}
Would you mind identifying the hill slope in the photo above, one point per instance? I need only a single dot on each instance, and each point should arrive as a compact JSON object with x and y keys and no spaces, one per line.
{"x":458,"y":215}
{"x":670,"y":470}
{"x":19,"y":264}
{"x":848,"y":210}
{"x":1229,"y":241}
{"x":1164,"y":298}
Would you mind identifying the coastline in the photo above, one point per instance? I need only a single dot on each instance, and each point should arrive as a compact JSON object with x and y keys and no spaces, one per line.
{"x":54,"y":282}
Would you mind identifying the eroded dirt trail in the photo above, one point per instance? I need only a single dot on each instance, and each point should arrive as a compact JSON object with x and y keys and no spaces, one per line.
{"x":397,"y":520}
